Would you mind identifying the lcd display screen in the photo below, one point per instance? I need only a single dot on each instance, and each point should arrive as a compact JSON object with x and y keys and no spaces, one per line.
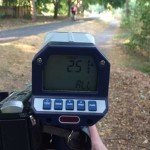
{"x":70,"y":73}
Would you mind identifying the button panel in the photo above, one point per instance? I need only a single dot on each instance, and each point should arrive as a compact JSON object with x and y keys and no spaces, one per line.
{"x":49,"y":105}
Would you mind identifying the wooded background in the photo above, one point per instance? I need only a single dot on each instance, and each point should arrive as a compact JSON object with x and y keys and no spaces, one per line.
{"x":135,"y":14}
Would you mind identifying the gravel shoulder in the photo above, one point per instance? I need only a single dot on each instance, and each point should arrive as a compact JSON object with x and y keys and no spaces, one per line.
{"x":126,"y":126}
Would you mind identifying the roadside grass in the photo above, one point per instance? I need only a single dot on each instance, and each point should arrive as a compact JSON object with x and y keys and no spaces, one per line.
{"x":137,"y":61}
{"x":134,"y":59}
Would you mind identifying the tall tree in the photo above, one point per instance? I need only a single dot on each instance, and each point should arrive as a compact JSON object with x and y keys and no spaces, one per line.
{"x":127,"y":8}
{"x":69,"y":2}
{"x":56,"y":7}
{"x":33,"y":10}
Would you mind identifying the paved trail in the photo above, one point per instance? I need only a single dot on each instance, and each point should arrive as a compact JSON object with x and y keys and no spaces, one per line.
{"x":102,"y":39}
{"x":12,"y":34}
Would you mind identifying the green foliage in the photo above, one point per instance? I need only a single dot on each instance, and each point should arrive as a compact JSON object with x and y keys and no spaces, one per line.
{"x":63,"y":10}
{"x":95,"y":8}
{"x":114,"y":3}
{"x":16,"y":2}
{"x":50,"y":7}
{"x":42,"y":3}
{"x":86,"y":3}
{"x":137,"y":61}
{"x":138,"y":26}
{"x":23,"y":2}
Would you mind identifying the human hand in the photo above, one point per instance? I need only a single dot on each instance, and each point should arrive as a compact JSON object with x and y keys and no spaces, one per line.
{"x":96,"y":141}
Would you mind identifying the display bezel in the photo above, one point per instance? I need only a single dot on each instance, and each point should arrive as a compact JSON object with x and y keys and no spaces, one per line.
{"x":72,"y":49}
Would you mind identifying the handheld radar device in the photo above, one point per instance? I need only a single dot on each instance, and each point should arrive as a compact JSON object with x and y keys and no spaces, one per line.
{"x":70,"y":80}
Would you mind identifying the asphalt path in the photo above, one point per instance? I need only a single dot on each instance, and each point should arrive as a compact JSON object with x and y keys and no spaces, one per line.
{"x":101,"y":38}
{"x":104,"y":37}
{"x":12,"y":34}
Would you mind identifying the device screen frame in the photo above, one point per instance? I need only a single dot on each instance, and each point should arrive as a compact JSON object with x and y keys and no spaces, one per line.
{"x":76,"y":49}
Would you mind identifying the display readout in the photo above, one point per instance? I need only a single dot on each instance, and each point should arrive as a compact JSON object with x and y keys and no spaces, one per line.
{"x":70,"y":72}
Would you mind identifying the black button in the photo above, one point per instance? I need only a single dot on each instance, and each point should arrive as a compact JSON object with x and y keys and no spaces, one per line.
{"x":47,"y":104}
{"x":81,"y":105}
{"x":92,"y":105}
{"x":58,"y":104}
{"x":69,"y":105}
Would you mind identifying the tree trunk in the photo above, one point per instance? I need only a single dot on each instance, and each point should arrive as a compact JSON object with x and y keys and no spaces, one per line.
{"x":56,"y":8}
{"x":69,"y":7}
{"x":127,"y":8}
{"x":33,"y":10}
